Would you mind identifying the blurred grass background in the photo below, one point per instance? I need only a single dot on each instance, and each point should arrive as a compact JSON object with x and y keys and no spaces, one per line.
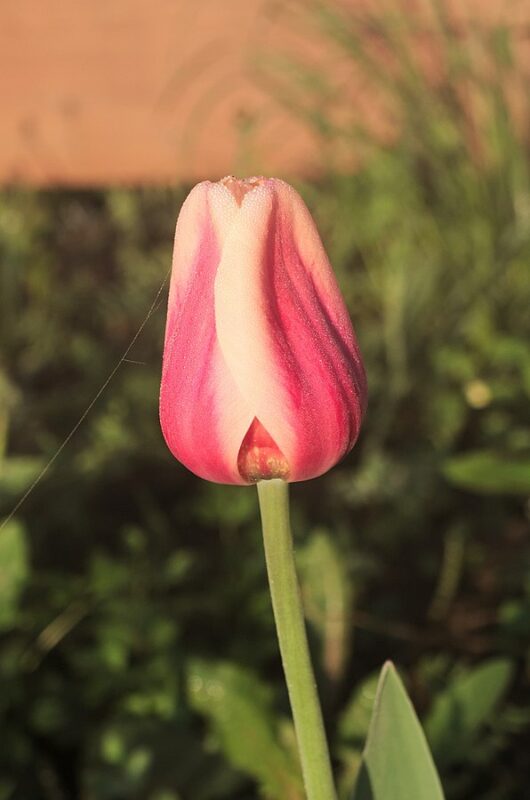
{"x":138,"y":657}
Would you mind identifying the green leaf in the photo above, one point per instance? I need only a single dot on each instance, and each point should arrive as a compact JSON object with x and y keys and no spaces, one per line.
{"x":489,"y":472}
{"x":328,"y":596}
{"x":13,"y":570}
{"x":16,"y":474}
{"x":239,"y":708}
{"x":466,"y":704}
{"x":352,"y":730}
{"x":397,"y":764}
{"x":355,"y":719}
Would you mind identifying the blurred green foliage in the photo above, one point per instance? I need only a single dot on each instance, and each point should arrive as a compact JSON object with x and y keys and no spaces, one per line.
{"x":137,"y":650}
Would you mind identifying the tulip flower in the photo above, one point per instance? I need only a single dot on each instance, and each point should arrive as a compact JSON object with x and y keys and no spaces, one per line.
{"x":262,"y":376}
{"x":262,"y":382}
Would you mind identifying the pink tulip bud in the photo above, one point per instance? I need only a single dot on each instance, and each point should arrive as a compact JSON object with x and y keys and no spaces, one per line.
{"x":262,"y":376}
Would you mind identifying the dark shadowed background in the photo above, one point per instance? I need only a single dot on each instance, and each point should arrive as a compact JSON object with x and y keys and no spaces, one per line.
{"x":138,"y":656}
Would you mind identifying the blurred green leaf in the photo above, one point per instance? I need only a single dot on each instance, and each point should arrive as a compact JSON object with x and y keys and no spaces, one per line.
{"x":488,"y":472}
{"x":14,"y":569}
{"x":16,"y":474}
{"x":113,"y":747}
{"x":138,"y":762}
{"x":353,"y":726}
{"x":467,"y":703}
{"x":239,"y":707}
{"x":397,"y":764}
{"x":327,"y":594}
{"x":355,"y":719}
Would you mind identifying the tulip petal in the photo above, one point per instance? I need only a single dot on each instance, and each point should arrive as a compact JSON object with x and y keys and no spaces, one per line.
{"x":203,"y":416}
{"x":284,"y":331}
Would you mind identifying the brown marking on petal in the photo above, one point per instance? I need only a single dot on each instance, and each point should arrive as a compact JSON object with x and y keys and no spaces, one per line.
{"x":239,"y":187}
{"x":259,"y":457}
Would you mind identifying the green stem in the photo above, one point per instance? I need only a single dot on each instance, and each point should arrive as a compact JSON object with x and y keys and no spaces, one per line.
{"x":290,"y":626}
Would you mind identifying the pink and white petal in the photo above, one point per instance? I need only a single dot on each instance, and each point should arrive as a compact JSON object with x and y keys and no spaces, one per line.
{"x":298,"y":227}
{"x":203,"y":416}
{"x":289,"y":345}
{"x":242,"y":314}
{"x":206,"y":214}
{"x":314,"y":326}
{"x":223,"y":208}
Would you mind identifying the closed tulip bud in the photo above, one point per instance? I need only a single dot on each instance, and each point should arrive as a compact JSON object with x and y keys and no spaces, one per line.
{"x":262,"y":376}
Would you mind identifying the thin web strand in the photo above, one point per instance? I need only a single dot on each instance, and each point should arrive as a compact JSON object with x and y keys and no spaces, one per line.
{"x":87,"y":411}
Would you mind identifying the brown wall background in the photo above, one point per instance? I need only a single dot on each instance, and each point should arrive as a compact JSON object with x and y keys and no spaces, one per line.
{"x":157,"y":91}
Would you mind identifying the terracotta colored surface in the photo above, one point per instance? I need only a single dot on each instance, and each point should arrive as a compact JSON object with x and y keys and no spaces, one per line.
{"x":113,"y":91}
